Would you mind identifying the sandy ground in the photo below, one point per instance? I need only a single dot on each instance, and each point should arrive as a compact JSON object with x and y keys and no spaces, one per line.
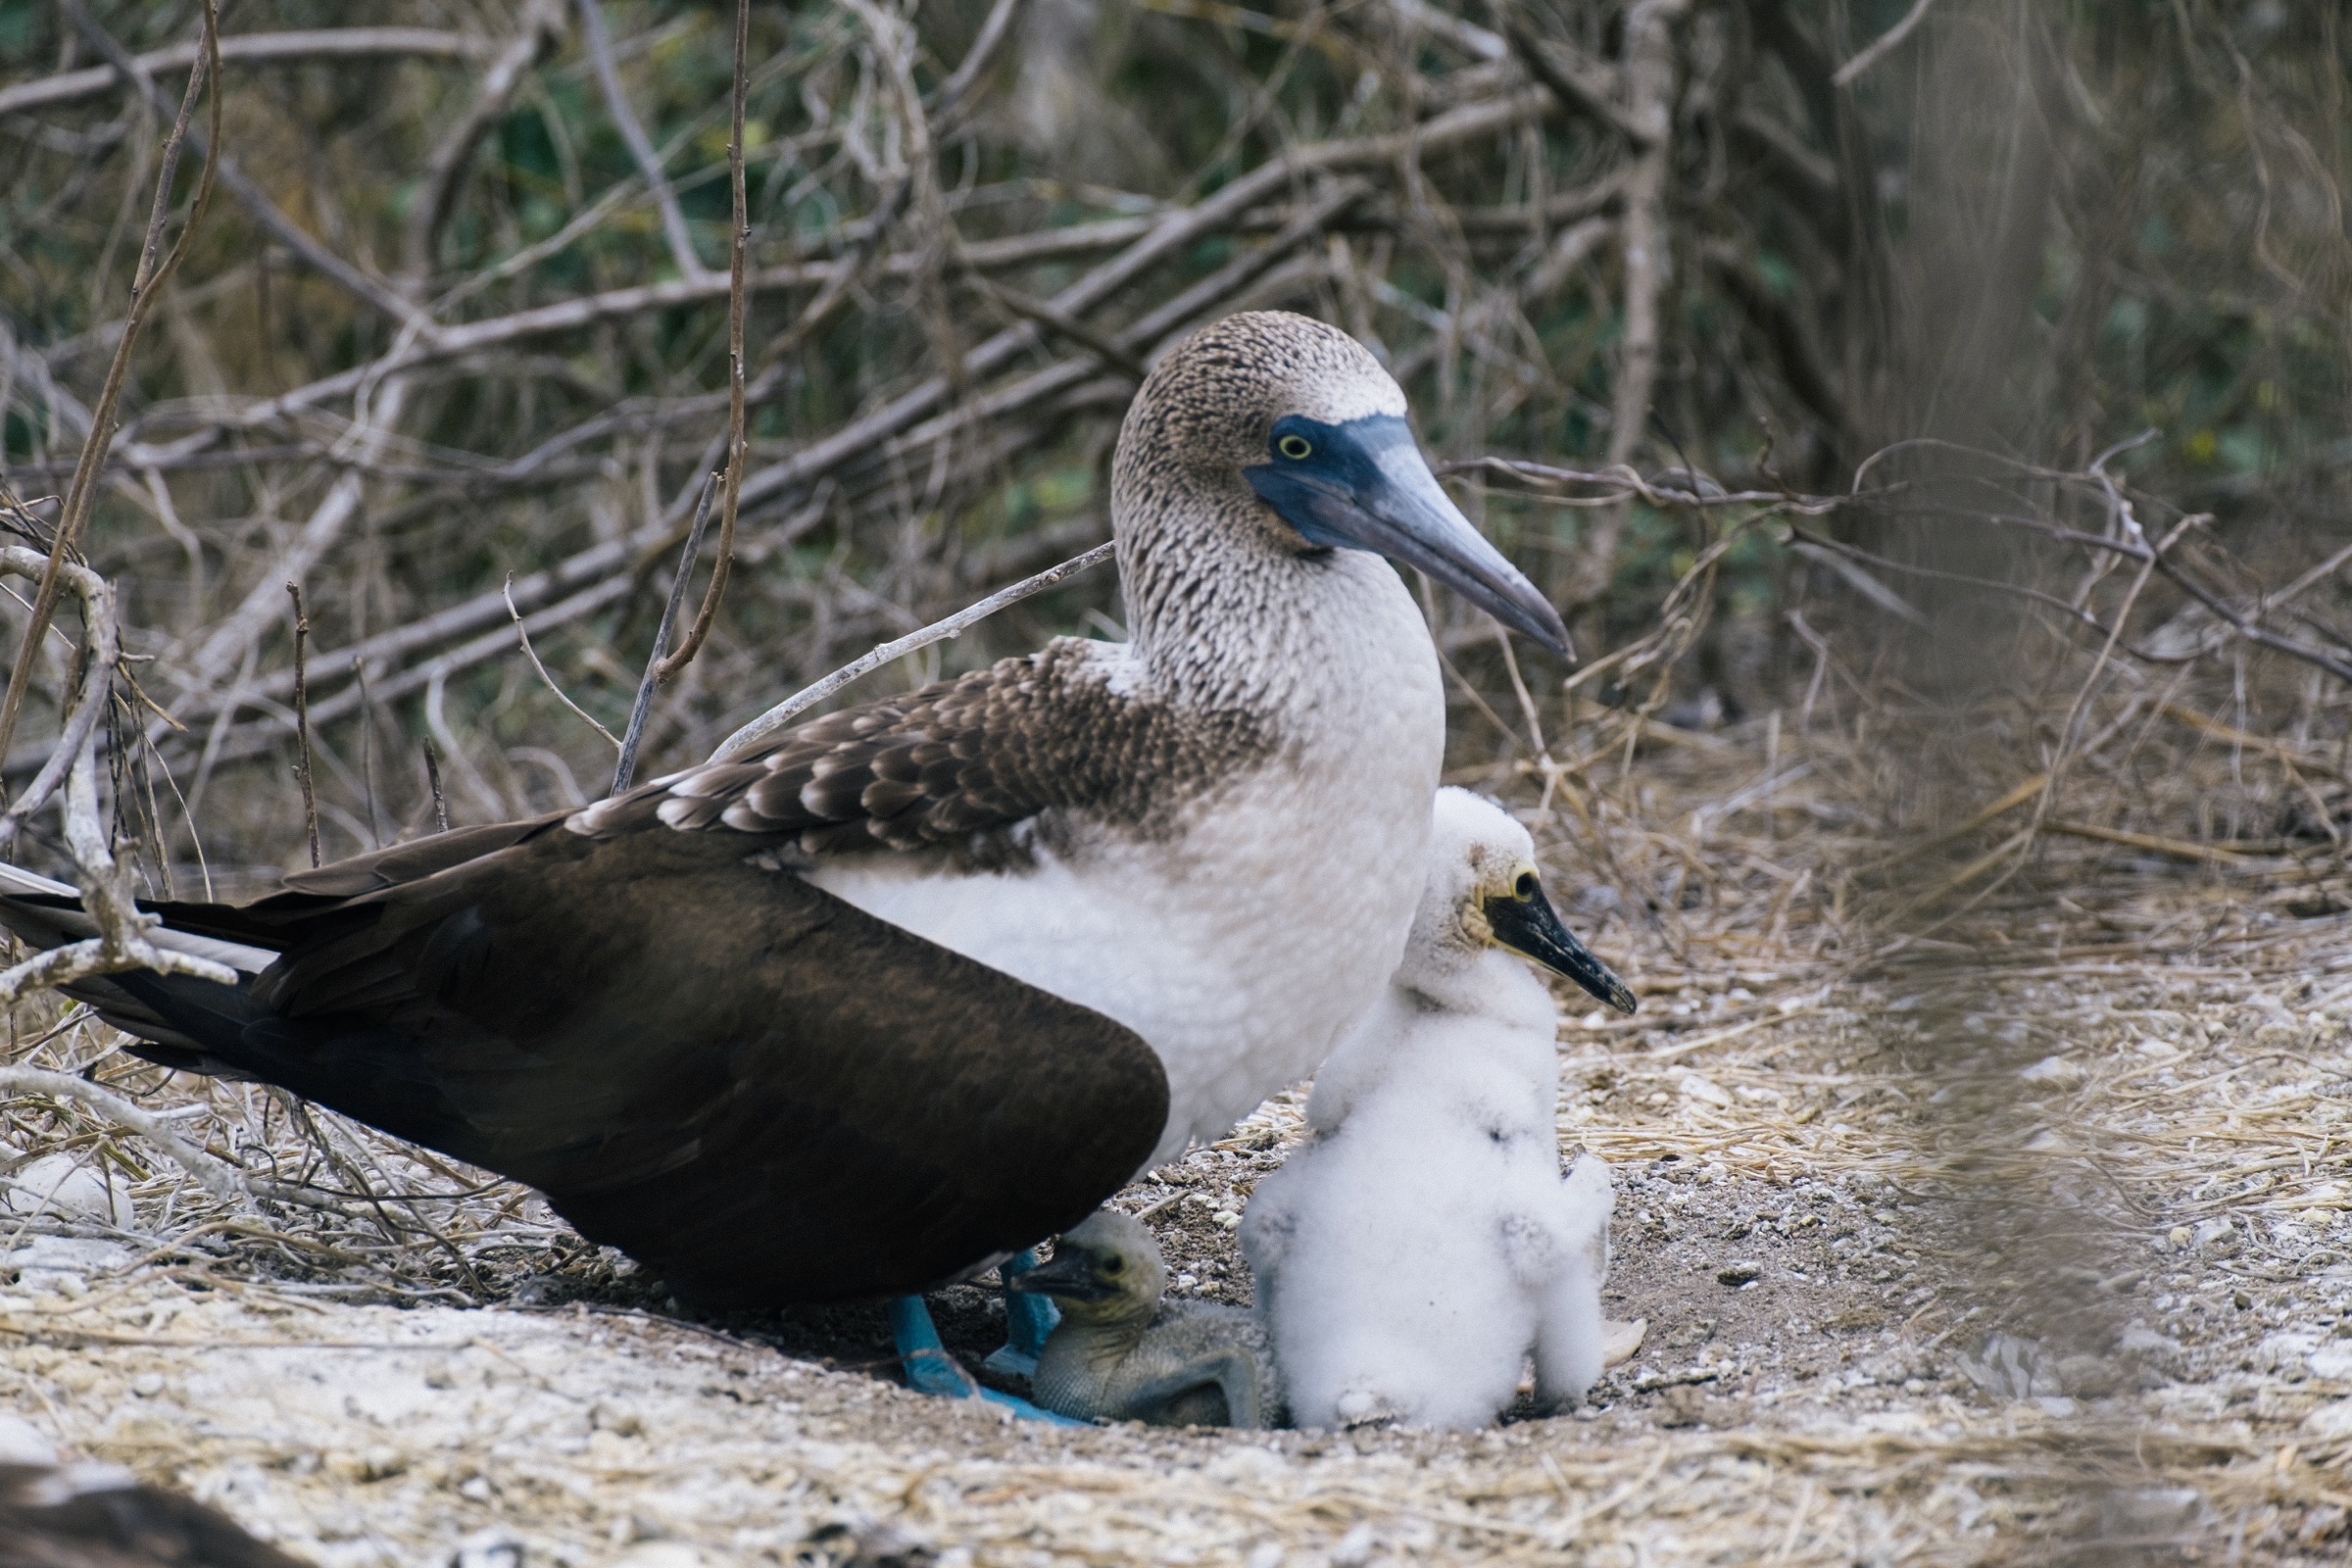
{"x":2042,"y":1256}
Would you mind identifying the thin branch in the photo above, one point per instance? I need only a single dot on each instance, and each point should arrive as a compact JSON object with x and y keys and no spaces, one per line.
{"x":363,"y":286}
{"x":225,"y":645}
{"x":146,"y":284}
{"x":783,"y":714}
{"x":1062,"y":323}
{"x":641,"y":148}
{"x":302,"y":720}
{"x":214,"y":1175}
{"x":436,"y":194}
{"x":324,"y":43}
{"x":1588,"y":87}
{"x":532,"y":654}
{"x":1649,"y":76}
{"x":1626,"y":482}
{"x":634,"y":736}
{"x":122,"y":941}
{"x":2074,"y":613}
{"x":432,"y":779}
{"x":945,"y":102}
{"x":100,"y":652}
{"x":1879,"y":47}
{"x":739,"y":237}
{"x":1860,"y":580}
{"x":2248,"y":627}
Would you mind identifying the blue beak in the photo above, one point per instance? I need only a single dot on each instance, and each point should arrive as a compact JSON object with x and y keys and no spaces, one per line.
{"x":1364,"y":485}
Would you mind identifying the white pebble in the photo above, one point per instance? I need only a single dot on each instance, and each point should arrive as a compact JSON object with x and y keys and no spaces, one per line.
{"x":62,"y":1186}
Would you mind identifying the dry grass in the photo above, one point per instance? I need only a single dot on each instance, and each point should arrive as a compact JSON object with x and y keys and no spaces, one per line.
{"x":1993,"y":1021}
{"x":2101,"y":1112}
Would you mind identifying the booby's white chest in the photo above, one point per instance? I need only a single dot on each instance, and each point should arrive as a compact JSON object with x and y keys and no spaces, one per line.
{"x":1241,"y":939}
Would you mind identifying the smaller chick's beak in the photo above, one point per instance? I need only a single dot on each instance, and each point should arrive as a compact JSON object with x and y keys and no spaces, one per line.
{"x":1529,"y":926}
{"x":1069,"y":1275}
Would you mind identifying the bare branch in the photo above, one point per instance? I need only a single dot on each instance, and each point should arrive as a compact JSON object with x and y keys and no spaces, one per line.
{"x":101,"y":650}
{"x":325,"y":43}
{"x":1649,"y":76}
{"x":739,"y":237}
{"x":302,"y":720}
{"x":229,"y":1183}
{"x":532,"y":654}
{"x":1882,"y":45}
{"x":649,"y":162}
{"x":153,"y":272}
{"x":436,"y":196}
{"x":361,"y":285}
{"x":946,"y":103}
{"x":784,"y":713}
{"x":652,"y":679}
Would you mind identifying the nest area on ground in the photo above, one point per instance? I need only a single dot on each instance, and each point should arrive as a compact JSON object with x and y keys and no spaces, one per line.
{"x":2020,"y":1235}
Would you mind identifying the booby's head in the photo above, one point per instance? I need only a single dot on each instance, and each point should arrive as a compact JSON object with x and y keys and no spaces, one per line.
{"x":1289,"y":433}
{"x":1484,"y":891}
{"x":1106,"y":1269}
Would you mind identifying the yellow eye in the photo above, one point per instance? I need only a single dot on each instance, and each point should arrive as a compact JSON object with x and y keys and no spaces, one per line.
{"x":1525,"y":888}
{"x":1296,"y":448}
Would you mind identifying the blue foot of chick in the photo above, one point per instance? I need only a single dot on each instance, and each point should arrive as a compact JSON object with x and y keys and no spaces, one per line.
{"x":1028,"y":1319}
{"x":931,"y":1370}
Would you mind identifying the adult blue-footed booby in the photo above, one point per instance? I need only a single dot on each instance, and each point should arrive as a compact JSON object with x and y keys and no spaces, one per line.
{"x":929,"y":978}
{"x":1433,"y":1139}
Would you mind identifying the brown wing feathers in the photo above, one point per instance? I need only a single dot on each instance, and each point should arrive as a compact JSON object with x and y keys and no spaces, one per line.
{"x":957,"y":764}
{"x":931,"y":769}
{"x":758,"y":1091}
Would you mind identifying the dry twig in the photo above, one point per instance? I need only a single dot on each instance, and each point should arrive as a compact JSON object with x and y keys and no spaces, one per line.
{"x":156,"y":266}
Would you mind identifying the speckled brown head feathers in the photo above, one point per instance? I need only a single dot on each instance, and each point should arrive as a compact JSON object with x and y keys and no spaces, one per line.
{"x":1197,"y":546}
{"x":1204,"y":412}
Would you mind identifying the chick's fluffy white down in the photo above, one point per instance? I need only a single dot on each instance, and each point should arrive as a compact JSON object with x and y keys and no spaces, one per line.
{"x":1414,"y":1253}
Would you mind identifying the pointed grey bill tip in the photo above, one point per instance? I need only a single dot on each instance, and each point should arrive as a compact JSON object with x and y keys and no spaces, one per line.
{"x":1068,"y":1273}
{"x":1364,"y":485}
{"x":1530,"y":926}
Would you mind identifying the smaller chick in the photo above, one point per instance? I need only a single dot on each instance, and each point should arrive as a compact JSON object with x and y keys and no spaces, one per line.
{"x":1423,"y":1241}
{"x":1122,"y":1353}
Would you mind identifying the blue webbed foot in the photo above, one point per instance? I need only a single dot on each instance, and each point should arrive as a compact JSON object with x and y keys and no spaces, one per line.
{"x":1028,"y":1319}
{"x":930,"y":1369}
{"x":928,"y":1366}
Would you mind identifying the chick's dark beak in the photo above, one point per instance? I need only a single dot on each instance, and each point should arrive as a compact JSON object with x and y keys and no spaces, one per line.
{"x":1528,"y":926}
{"x":1071,"y":1274}
{"x":1364,"y":485}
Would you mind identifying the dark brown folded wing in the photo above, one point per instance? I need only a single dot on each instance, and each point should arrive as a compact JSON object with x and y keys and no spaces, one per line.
{"x":754,"y":1089}
{"x":639,"y":1009}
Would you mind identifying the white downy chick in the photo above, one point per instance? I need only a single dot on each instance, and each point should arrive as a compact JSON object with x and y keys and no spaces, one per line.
{"x":1423,"y":1241}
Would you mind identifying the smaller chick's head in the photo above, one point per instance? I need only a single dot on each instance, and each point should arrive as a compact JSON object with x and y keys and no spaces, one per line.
{"x":1106,"y":1268}
{"x":1483,"y":892}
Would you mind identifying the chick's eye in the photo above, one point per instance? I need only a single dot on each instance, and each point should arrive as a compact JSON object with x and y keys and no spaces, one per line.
{"x":1113,"y":1265}
{"x":1296,"y":448}
{"x":1525,"y":887}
